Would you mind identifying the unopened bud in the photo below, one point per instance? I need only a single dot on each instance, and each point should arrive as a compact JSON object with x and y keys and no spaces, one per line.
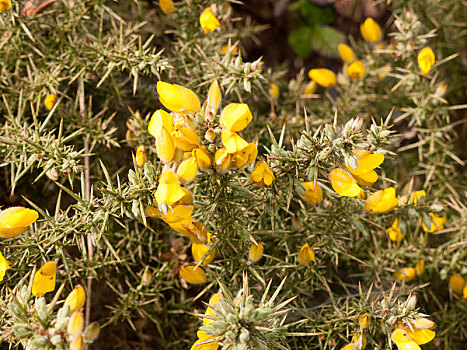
{"x":75,"y":323}
{"x":441,"y":89}
{"x":91,"y":332}
{"x":364,"y":321}
{"x":412,"y":301}
{"x":52,"y":174}
{"x":210,"y":135}
{"x":77,"y":343}
{"x":147,"y":277}
{"x":75,"y":300}
{"x":141,"y":156}
{"x":357,"y":124}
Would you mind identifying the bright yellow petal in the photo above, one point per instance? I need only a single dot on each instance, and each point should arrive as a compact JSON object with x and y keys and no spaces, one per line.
{"x":189,"y":274}
{"x":421,"y":336}
{"x":199,"y":250}
{"x":44,"y":279}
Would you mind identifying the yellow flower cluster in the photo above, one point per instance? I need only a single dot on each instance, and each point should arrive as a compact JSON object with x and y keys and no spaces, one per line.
{"x":354,"y":68}
{"x":193,"y":138}
{"x":203,"y":337}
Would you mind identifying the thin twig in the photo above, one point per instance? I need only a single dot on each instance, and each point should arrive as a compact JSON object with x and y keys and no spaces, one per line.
{"x":87,"y":179}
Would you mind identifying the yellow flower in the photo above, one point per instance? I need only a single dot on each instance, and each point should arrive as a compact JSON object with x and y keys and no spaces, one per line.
{"x":199,"y":250}
{"x":236,"y":116}
{"x":77,"y":343}
{"x":177,"y":98}
{"x":4,"y":266}
{"x":344,"y":184}
{"x":456,"y":283}
{"x":366,"y":162}
{"x":246,"y":155}
{"x":186,"y":139}
{"x":420,"y":267}
{"x":410,"y":339}
{"x":161,"y":127}
{"x":167,"y":6}
{"x":382,"y":201}
{"x":189,"y":274}
{"x":437,"y":225}
{"x":310,"y":88}
{"x":15,"y":220}
{"x":44,"y":279}
{"x":141,"y":156}
{"x":262,"y":175}
{"x":346,"y":53}
{"x":274,"y":91}
{"x":370,"y":30}
{"x":394,"y":232}
{"x":210,"y":312}
{"x":426,"y":59}
{"x":225,"y":48}
{"x":356,"y":70}
{"x":5,"y":5}
{"x":305,"y":255}
{"x":256,"y":251}
{"x":414,"y":196}
{"x":405,"y":274}
{"x":208,"y":21}
{"x":464,"y":292}
{"x":169,"y":190}
{"x":323,"y":77}
{"x":160,"y":120}
{"x":360,"y":340}
{"x":364,"y":321}
{"x":50,"y":100}
{"x":313,"y":194}
{"x":75,"y":300}
{"x":202,"y":157}
{"x":232,"y":141}
{"x":195,"y":231}
{"x":222,"y":160}
{"x":75,"y":323}
{"x":187,"y":169}
{"x":214,"y":96}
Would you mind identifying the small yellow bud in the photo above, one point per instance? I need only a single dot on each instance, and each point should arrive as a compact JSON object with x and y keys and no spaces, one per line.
{"x":256,"y":251}
{"x":141,"y":156}
{"x":346,"y":53}
{"x":44,"y":279}
{"x":323,"y":77}
{"x":147,"y":277}
{"x":464,"y":292}
{"x":189,"y":274}
{"x":50,"y":100}
{"x":364,"y":321}
{"x":426,"y":59}
{"x":274,"y":91}
{"x":356,"y":70}
{"x":75,"y":300}
{"x":15,"y":220}
{"x":305,"y":255}
{"x":456,"y":283}
{"x":420,"y":267}
{"x":167,"y":6}
{"x":370,"y":30}
{"x":75,"y":323}
{"x":4,"y":266}
{"x":77,"y":343}
{"x":236,"y":116}
{"x":310,"y":88}
{"x":199,"y":250}
{"x":208,"y":21}
{"x":214,"y":96}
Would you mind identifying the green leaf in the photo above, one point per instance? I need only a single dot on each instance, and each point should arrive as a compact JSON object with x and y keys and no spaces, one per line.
{"x":314,"y":14}
{"x":300,"y":41}
{"x":325,"y":40}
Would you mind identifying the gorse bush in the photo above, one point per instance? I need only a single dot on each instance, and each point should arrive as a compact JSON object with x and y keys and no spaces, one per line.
{"x":164,"y":188}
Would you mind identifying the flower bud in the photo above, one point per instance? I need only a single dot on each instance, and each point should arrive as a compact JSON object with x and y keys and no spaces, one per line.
{"x":323,"y":77}
{"x":50,"y":101}
{"x":346,"y":53}
{"x":370,"y":30}
{"x":456,"y":283}
{"x":364,"y":321}
{"x":77,"y":343}
{"x":167,"y":6}
{"x":75,"y":300}
{"x":141,"y":156}
{"x":305,"y":255}
{"x":75,"y":323}
{"x":256,"y":251}
{"x":177,"y":98}
{"x":214,"y":97}
{"x":208,"y":21}
{"x":91,"y":332}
